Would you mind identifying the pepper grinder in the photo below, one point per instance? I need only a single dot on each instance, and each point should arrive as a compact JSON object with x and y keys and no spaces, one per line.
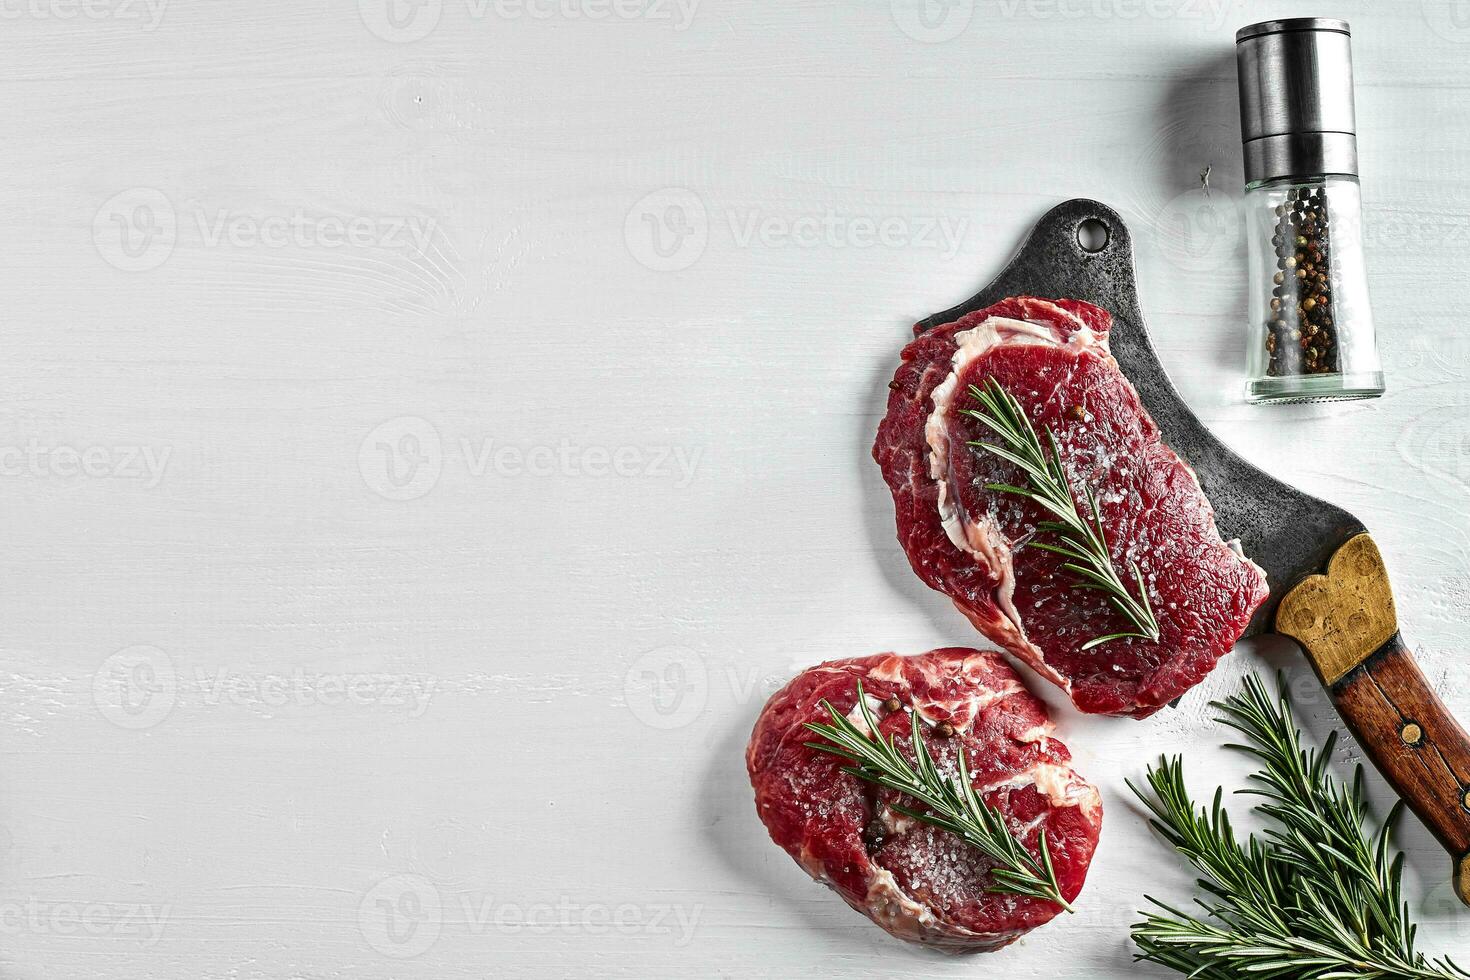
{"x":1311,"y":328}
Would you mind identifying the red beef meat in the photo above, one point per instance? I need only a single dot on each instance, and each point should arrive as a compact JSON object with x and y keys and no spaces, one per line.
{"x":969,"y":542}
{"x":919,"y":883}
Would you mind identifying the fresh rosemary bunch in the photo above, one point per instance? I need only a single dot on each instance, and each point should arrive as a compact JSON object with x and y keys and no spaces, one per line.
{"x":1082,"y":541}
{"x":951,"y":804}
{"x":1317,"y":897}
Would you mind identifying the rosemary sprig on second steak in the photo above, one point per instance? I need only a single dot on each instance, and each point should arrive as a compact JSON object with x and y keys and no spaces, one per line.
{"x":952,"y":804}
{"x":1081,"y":539}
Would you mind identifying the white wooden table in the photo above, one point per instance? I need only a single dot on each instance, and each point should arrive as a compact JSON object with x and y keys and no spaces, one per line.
{"x":429,"y":432}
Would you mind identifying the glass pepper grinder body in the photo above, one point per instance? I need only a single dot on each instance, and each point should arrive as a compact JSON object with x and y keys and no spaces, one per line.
{"x":1311,"y":326}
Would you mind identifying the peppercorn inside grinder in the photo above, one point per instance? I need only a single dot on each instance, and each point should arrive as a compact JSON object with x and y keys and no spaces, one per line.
{"x":1311,"y":336}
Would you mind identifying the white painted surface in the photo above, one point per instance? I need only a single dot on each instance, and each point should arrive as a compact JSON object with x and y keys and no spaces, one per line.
{"x":553,"y":667}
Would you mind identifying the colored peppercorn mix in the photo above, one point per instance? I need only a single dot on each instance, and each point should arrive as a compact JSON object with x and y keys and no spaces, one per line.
{"x":1300,"y":335}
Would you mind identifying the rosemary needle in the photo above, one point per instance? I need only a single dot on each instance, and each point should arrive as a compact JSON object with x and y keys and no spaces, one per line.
{"x":1082,"y":540}
{"x":1317,"y":897}
{"x":950,"y":804}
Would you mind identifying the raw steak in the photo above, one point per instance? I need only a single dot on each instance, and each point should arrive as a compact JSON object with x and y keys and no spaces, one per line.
{"x":919,"y":883}
{"x":969,"y":542}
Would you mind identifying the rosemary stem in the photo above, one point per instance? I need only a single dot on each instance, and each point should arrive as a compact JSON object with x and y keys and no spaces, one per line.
{"x":1083,"y":539}
{"x":1317,"y":897}
{"x":949,"y":803}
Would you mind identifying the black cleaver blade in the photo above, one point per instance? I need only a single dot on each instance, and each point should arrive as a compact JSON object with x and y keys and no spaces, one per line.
{"x":1329,"y":588}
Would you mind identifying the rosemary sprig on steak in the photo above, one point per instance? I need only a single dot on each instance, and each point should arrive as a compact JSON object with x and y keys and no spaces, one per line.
{"x":949,"y":803}
{"x":1081,"y":540}
{"x":1316,"y":898}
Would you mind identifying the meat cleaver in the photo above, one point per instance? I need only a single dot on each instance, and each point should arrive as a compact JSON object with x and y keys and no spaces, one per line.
{"x":1329,"y":587}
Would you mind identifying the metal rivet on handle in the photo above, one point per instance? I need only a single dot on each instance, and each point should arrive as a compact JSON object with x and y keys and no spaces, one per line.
{"x":1411,"y":733}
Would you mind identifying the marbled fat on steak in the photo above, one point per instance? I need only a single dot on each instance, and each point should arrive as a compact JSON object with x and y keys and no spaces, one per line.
{"x":919,"y":883}
{"x":969,"y":542}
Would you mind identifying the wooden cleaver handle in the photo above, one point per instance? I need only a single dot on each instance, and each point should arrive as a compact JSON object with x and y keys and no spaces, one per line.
{"x":1345,"y":621}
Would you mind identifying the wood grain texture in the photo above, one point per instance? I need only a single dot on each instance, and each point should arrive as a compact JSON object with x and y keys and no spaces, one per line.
{"x":1416,"y":743}
{"x":214,"y":666}
{"x":1345,"y":622}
